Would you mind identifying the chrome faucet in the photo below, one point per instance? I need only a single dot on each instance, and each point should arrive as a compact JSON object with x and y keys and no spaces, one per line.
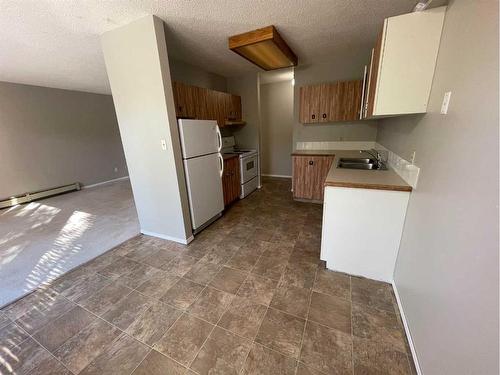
{"x":377,"y":155}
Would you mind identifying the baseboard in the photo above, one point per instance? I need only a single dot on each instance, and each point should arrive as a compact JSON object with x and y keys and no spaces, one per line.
{"x":105,"y":182}
{"x":407,"y":329}
{"x":175,"y":239}
{"x":276,"y":175}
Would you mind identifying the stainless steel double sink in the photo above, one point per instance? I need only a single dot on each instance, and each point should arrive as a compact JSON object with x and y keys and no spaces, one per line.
{"x":360,"y":163}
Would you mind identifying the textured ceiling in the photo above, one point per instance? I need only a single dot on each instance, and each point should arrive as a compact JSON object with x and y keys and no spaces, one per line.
{"x":56,"y":43}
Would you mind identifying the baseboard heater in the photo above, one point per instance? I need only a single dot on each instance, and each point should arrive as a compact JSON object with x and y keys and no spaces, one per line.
{"x":29,"y":197}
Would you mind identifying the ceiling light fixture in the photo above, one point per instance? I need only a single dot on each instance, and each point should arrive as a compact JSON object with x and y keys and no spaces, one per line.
{"x":263,"y":47}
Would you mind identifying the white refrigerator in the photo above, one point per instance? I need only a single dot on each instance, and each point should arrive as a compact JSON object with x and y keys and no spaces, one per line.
{"x":201,"y":143}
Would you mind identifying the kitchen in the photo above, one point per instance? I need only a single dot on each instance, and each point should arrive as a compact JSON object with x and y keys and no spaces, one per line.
{"x":306,"y":191}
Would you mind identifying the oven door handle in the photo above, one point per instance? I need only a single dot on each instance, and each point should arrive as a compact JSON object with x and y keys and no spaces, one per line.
{"x":221,"y":160}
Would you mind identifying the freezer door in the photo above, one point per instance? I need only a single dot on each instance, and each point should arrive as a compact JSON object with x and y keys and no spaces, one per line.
{"x":199,"y":137}
{"x":204,"y":185}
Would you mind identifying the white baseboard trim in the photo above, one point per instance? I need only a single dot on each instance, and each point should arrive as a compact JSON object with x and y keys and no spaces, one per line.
{"x":276,"y":175}
{"x":105,"y":182}
{"x":407,"y":329}
{"x":170,"y":238}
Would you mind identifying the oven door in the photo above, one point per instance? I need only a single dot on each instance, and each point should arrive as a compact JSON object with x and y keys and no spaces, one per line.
{"x":249,"y":168}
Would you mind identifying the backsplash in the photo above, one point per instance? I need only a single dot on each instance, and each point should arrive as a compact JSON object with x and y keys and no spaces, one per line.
{"x":405,"y":169}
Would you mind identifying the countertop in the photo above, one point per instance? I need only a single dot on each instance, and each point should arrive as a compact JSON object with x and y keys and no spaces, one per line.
{"x":355,"y":178}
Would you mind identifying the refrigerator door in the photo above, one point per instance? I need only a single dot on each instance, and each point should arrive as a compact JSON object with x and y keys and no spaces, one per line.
{"x":199,"y":137}
{"x":204,"y":185}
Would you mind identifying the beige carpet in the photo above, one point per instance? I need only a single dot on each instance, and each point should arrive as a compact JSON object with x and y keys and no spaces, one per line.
{"x":41,"y":240}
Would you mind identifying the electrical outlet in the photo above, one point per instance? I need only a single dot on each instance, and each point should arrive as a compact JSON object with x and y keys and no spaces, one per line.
{"x":163,"y":144}
{"x":446,"y":103}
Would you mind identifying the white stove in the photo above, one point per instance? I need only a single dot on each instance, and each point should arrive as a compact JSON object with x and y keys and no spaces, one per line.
{"x":249,"y":167}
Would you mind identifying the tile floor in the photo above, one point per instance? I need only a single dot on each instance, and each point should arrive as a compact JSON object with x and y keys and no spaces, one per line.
{"x":248,"y":296}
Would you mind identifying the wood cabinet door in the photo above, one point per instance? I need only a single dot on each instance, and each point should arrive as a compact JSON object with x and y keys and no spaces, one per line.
{"x":235,"y":108}
{"x":320,"y":167}
{"x":373,"y":75}
{"x":231,"y":180}
{"x":324,"y":102}
{"x":201,"y":103}
{"x":309,"y":104}
{"x":184,"y":100}
{"x":302,"y":174}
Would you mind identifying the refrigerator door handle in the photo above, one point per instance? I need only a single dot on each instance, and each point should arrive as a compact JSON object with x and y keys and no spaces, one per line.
{"x":219,"y":138}
{"x":221,"y":159}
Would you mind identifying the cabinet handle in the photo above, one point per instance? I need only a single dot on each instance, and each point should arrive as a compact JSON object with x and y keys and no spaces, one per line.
{"x":313,"y":117}
{"x":311,"y":162}
{"x":324,"y":115}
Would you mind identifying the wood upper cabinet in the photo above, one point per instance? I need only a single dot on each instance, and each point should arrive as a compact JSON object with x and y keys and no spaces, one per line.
{"x":402,"y":65}
{"x":330,"y":102}
{"x":309,"y":175}
{"x":231,"y":180}
{"x":204,"y":104}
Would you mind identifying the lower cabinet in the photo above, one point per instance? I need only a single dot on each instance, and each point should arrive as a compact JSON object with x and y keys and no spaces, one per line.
{"x":309,"y":174}
{"x":231,"y":180}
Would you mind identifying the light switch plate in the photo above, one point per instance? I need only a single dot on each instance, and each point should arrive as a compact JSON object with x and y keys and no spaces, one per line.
{"x":446,"y":103}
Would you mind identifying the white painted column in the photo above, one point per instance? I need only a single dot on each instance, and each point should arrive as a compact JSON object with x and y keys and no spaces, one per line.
{"x":137,"y":64}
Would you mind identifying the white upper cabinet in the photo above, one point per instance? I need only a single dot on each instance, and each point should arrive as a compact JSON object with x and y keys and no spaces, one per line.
{"x":403,"y":63}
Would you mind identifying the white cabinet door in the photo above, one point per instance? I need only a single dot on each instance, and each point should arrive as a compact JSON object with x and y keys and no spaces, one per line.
{"x":204,"y":184}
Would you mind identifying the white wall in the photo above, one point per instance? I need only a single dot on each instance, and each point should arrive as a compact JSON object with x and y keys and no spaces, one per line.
{"x":51,"y":137}
{"x":137,"y":64}
{"x":447,"y":268}
{"x":196,"y":76}
{"x":276,"y":101}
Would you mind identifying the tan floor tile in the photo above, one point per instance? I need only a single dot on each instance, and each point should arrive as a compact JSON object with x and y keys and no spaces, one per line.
{"x":23,"y":358}
{"x":120,"y":267}
{"x":220,"y":254}
{"x":222,"y":353}
{"x":304,"y":370}
{"x":258,"y":289}
{"x":331,"y":311}
{"x":203,"y":272}
{"x":12,"y":335}
{"x":121,"y":357}
{"x":263,"y":361}
{"x":299,"y":274}
{"x":271,"y":267}
{"x":211,"y":305}
{"x":162,"y":257}
{"x":138,"y":275}
{"x":378,"y":358}
{"x":51,"y":366}
{"x":127,"y":310}
{"x":244,"y":259}
{"x":85,"y":288}
{"x":36,"y":318}
{"x":38,"y":300}
{"x":281,"y":332}
{"x":157,"y":364}
{"x":88,"y":344}
{"x":180,"y":265}
{"x":157,"y":285}
{"x":228,"y":280}
{"x":326,"y":349}
{"x":243,"y":317}
{"x":292,"y":300}
{"x":152,"y":324}
{"x":54,"y":334}
{"x":377,"y":325}
{"x":182,"y":294}
{"x":105,"y":298}
{"x":4,"y":320}
{"x":184,"y":339}
{"x":372,"y":293}
{"x":333,"y":283}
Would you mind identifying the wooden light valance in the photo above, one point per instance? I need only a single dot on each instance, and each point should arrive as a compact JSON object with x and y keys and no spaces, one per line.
{"x":264,"y":47}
